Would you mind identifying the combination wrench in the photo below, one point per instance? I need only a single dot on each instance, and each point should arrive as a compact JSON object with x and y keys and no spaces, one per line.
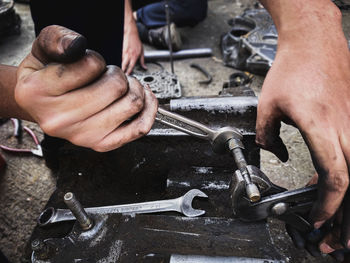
{"x":223,"y":139}
{"x":182,"y":204}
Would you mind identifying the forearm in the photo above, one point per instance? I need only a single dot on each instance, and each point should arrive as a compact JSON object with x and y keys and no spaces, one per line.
{"x":129,"y":21}
{"x":8,"y":105}
{"x":301,"y":22}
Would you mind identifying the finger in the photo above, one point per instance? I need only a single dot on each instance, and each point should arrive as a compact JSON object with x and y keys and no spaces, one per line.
{"x":131,"y":66}
{"x":267,"y":131}
{"x":58,"y":44}
{"x":142,"y":60}
{"x":331,"y":241}
{"x":125,"y":62}
{"x":313,"y":250}
{"x":345,"y":227}
{"x":133,"y":130}
{"x":111,"y":117}
{"x":296,"y":237}
{"x":57,"y":79}
{"x":328,"y":159}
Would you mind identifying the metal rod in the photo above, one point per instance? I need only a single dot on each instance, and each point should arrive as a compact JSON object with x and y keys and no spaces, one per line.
{"x":78,"y":211}
{"x":169,"y":35}
{"x":156,"y":55}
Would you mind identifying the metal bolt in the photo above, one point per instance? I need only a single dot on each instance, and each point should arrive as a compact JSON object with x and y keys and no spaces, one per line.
{"x":42,"y":251}
{"x":78,"y":211}
{"x":279,"y":209}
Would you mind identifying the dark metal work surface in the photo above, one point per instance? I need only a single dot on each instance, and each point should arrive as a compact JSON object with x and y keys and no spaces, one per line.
{"x":117,"y":238}
{"x":251,"y":43}
{"x":162,"y":165}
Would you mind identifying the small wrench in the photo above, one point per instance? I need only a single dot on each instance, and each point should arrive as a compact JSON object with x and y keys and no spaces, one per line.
{"x":182,"y":204}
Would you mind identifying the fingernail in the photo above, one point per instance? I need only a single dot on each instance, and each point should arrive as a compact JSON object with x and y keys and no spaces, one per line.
{"x":326,"y":249}
{"x":318,"y":224}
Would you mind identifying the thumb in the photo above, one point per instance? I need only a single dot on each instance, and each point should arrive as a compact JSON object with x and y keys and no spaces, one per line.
{"x":58,"y":44}
{"x":268,"y":126}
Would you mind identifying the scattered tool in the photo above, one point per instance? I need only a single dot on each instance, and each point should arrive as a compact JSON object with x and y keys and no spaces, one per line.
{"x":17,"y":126}
{"x":167,"y":12}
{"x":204,"y":71}
{"x":182,"y":205}
{"x":223,"y":139}
{"x":155,"y":55}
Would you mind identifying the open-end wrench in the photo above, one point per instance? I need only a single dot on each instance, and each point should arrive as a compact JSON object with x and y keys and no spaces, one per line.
{"x":222,"y":139}
{"x":182,"y":204}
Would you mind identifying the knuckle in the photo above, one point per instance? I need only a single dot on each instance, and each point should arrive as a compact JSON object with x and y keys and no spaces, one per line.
{"x":94,"y":61}
{"x":118,"y":81}
{"x":136,"y":102}
{"x":143,"y":128}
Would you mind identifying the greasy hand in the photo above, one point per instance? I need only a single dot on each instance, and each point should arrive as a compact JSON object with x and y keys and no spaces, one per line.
{"x":132,"y":50}
{"x":309,"y":86}
{"x":72,"y":94}
{"x":328,"y":239}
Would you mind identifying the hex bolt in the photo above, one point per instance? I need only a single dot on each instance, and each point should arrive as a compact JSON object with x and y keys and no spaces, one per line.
{"x":78,"y":211}
{"x":236,"y":146}
{"x":41,"y":250}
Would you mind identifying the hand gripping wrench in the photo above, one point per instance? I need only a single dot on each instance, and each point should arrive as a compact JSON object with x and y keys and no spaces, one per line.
{"x":222,"y":139}
{"x":182,"y":204}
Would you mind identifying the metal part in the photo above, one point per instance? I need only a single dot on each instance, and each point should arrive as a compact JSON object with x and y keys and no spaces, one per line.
{"x":289,"y":206}
{"x":236,"y":146}
{"x":221,"y":139}
{"x":251,"y":44}
{"x":206,"y":259}
{"x":158,"y":55}
{"x":204,"y":71}
{"x":217,"y":137}
{"x":279,"y":208}
{"x":167,"y":12}
{"x":163,"y":84}
{"x":78,"y":211}
{"x":182,"y":205}
{"x":144,"y":170}
{"x":41,"y":249}
{"x":238,"y":85}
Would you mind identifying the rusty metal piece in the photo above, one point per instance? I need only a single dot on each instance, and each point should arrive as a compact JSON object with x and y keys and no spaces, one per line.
{"x":205,"y":72}
{"x":78,"y":211}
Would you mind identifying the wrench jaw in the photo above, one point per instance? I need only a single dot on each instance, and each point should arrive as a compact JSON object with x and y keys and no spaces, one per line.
{"x":186,"y":205}
{"x":47,"y":216}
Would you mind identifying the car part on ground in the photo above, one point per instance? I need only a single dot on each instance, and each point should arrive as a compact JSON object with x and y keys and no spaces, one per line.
{"x":251,"y":43}
{"x":163,"y":84}
{"x":205,"y":73}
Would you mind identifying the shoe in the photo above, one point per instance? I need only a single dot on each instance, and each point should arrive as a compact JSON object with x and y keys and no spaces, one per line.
{"x":159,"y":37}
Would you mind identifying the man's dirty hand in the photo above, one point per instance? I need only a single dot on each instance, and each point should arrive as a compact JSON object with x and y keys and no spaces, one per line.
{"x":309,"y":86}
{"x":71,"y":93}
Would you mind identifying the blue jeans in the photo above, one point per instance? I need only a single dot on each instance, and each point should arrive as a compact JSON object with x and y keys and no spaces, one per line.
{"x":182,"y":13}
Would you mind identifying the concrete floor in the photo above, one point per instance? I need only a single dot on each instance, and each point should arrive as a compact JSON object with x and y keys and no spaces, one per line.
{"x":26,"y":184}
